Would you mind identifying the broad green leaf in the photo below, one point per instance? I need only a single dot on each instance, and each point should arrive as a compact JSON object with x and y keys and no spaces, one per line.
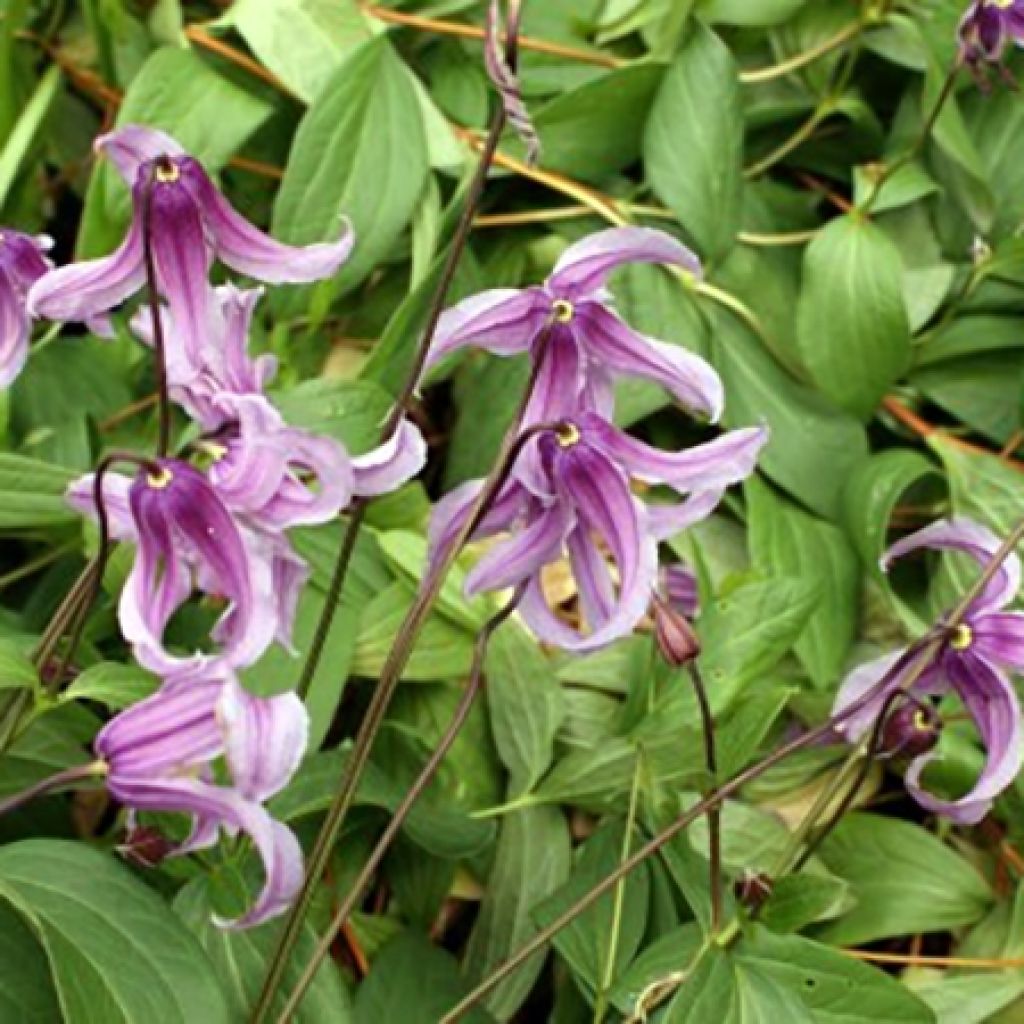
{"x":525,"y":704}
{"x":176,"y":92}
{"x":241,"y":957}
{"x":799,"y":900}
{"x":533,"y":858}
{"x":117,"y":951}
{"x":412,"y":981}
{"x":787,"y":541}
{"x":16,"y":670}
{"x":754,"y":13}
{"x":359,"y":153}
{"x":925,"y":886}
{"x":970,"y":998}
{"x":27,"y":994}
{"x":852,"y":325}
{"x":350,"y":411}
{"x":812,"y":445}
{"x":32,"y":494}
{"x":693,"y":159}
{"x":113,"y":684}
{"x":303,"y":42}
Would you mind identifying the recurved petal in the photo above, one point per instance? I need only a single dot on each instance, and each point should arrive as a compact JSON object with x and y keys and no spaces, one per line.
{"x":264,"y":739}
{"x":999,"y":637}
{"x":862,"y":688}
{"x":503,"y":320}
{"x":970,"y":537}
{"x":14,"y":331}
{"x":991,"y":701}
{"x":246,"y":249}
{"x":688,"y":378}
{"x":83,"y":290}
{"x":392,"y":464}
{"x":81,"y":496}
{"x":452,"y":512}
{"x":133,"y":145}
{"x":665,"y":521}
{"x":585,"y":265}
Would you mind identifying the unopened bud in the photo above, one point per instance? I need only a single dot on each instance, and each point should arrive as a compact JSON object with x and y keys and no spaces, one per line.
{"x":145,"y":847}
{"x":677,"y":639}
{"x":753,"y":888}
{"x":910,"y":730}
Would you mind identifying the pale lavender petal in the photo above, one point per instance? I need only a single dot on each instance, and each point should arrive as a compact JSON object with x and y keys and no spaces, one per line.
{"x":526,"y":552}
{"x":999,"y":637}
{"x":687,"y":377}
{"x":665,"y":521}
{"x":451,"y":514}
{"x":14,"y":331}
{"x":264,"y":739}
{"x":81,"y":494}
{"x":593,"y":579}
{"x":681,"y":588}
{"x":584,"y":267}
{"x":83,"y":290}
{"x":133,"y":145}
{"x":246,"y":249}
{"x":857,"y":685}
{"x":504,"y":321}
{"x":973,"y":539}
{"x":991,"y":701}
{"x":394,"y":463}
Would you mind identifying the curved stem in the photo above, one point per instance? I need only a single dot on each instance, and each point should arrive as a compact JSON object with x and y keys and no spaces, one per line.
{"x":797,"y":139}
{"x":398,"y":819}
{"x":707,"y":724}
{"x":800,"y":60}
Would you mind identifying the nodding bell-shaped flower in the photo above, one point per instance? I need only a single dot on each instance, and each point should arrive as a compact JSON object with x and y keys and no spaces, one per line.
{"x":986,"y":29}
{"x":190,"y":223}
{"x":575,"y":497}
{"x":159,"y":755}
{"x":22,"y":263}
{"x":971,"y":662}
{"x":587,"y":345}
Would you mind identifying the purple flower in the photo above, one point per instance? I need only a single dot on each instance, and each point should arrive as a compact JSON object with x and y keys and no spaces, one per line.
{"x":575,"y":497}
{"x":588,"y":344}
{"x":22,"y":263}
{"x":159,"y":756}
{"x":970,"y":662}
{"x":986,"y":28}
{"x":191,"y":223}
{"x":680,"y":586}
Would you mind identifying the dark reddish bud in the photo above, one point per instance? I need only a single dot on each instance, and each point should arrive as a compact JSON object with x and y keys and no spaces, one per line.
{"x":753,"y":889}
{"x":677,"y":640}
{"x":910,"y":730}
{"x":145,"y":847}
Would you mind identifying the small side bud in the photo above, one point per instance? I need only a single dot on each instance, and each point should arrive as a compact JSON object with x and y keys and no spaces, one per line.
{"x":912,"y":729}
{"x":145,"y":847}
{"x":677,"y":640}
{"x":753,"y":888}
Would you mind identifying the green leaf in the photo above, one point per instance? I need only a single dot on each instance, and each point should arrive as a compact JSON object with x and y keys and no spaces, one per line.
{"x":812,"y":446}
{"x":113,"y":684}
{"x":754,"y":13}
{"x":51,"y":743}
{"x":303,"y":42}
{"x":350,"y":411}
{"x":852,"y":326}
{"x":414,"y":982}
{"x":117,"y":952}
{"x":787,"y":541}
{"x":177,"y":93}
{"x":17,"y":144}
{"x":27,"y":994}
{"x":693,"y":160}
{"x":533,"y":858}
{"x":799,"y":900}
{"x":32,"y":494}
{"x":925,"y":886}
{"x":972,"y":998}
{"x":359,"y":153}
{"x":240,"y":959}
{"x":16,"y":670}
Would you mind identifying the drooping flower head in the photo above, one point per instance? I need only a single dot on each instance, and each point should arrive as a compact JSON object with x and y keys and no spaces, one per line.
{"x":971,"y":662}
{"x":575,"y":499}
{"x":159,"y":755}
{"x":986,"y":29}
{"x":587,"y":345}
{"x":22,"y":263}
{"x":190,"y":223}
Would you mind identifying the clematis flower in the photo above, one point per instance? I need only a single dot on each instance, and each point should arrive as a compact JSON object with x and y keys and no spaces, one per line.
{"x":970,"y":662}
{"x":985,"y":30}
{"x":588,"y":345}
{"x":679,"y":583}
{"x":159,"y":754}
{"x":22,"y":263}
{"x":191,"y":223}
{"x":575,"y":498}
{"x":187,"y":538}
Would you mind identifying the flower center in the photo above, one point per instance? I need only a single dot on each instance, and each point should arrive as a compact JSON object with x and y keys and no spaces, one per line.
{"x":962,"y":637}
{"x":922,"y":723}
{"x":563,"y":311}
{"x":568,"y":434}
{"x":1001,"y":3}
{"x":159,"y":479}
{"x":167,"y":172}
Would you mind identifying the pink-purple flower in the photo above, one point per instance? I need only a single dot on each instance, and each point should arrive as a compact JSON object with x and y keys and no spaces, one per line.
{"x":22,"y":263}
{"x":160,"y":754}
{"x":986,"y":29}
{"x":190,"y":223}
{"x":972,"y":662}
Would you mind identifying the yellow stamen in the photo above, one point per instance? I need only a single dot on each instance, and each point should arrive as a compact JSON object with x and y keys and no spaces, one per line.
{"x":166,"y":172}
{"x":568,"y":434}
{"x":962,"y":638}
{"x":160,"y":479}
{"x":563,"y":311}
{"x":921,"y":721}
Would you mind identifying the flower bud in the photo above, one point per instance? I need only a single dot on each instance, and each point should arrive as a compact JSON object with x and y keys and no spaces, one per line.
{"x":145,"y":847}
{"x":677,"y":640}
{"x":753,"y":888}
{"x":912,"y":729}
